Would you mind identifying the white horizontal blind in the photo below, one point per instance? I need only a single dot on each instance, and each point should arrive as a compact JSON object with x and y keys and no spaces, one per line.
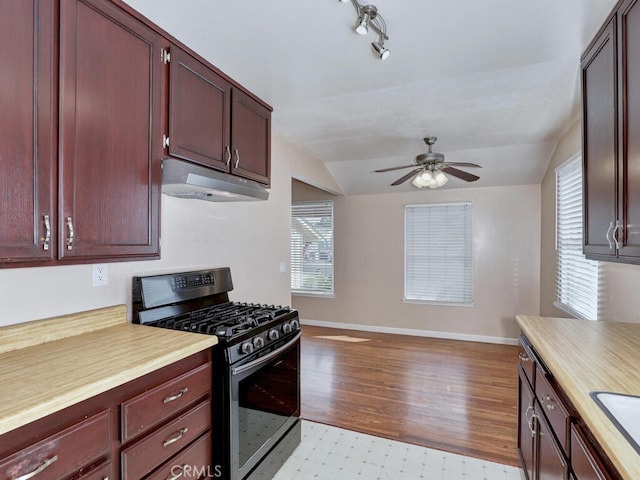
{"x":577,"y":277}
{"x":438,"y":253}
{"x":312,"y":248}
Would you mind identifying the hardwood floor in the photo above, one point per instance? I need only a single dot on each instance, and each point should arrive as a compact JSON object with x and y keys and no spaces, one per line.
{"x":445,"y":394}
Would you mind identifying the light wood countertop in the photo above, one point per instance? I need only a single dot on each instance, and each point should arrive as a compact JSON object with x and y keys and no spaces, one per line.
{"x":52,"y":364}
{"x":586,"y":356}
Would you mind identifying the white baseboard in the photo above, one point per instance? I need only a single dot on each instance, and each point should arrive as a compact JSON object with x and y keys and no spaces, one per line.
{"x":411,"y":331}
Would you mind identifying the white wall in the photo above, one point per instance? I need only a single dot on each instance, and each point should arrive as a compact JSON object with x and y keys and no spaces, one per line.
{"x":618,"y":284}
{"x":250,"y":237}
{"x":369,"y":249}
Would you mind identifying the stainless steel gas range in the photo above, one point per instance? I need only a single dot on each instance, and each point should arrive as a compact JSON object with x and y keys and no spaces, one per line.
{"x":256,"y":379}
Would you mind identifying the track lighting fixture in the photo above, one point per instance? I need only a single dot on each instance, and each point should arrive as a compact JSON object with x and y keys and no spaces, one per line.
{"x":380,"y":49}
{"x":370,"y":19}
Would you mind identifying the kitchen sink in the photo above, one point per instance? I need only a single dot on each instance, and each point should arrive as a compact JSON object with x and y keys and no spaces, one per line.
{"x":624,"y":412}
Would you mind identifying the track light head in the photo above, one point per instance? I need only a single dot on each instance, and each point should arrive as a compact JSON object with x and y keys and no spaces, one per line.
{"x":380,"y":49}
{"x":362,"y":24}
{"x":369,"y":19}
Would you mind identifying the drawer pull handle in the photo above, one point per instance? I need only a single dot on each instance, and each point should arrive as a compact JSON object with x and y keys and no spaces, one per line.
{"x":176,"y":396}
{"x":177,"y":472}
{"x":523,"y":357}
{"x":228,"y":154}
{"x":47,"y":235}
{"x":551,"y":407}
{"x":35,"y":472}
{"x":175,"y":438}
{"x":237,"y":158}
{"x":71,"y":236}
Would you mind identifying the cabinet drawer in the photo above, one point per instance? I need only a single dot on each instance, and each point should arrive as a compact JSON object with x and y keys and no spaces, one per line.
{"x":63,"y":453}
{"x":526,"y":359}
{"x":153,"y":406}
{"x":193,"y":462}
{"x":149,"y":452}
{"x":553,"y":408}
{"x":103,"y":472}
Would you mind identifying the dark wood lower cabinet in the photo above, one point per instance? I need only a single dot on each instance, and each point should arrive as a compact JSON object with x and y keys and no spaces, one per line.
{"x":551,"y":444}
{"x":585,"y":464}
{"x":87,"y":440}
{"x":526,"y":427}
{"x":551,"y":461}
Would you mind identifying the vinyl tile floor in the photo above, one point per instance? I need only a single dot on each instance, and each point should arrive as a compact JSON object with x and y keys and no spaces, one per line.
{"x":331,"y":453}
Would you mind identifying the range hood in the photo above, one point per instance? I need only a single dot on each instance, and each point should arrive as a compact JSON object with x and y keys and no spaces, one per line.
{"x":188,"y":180}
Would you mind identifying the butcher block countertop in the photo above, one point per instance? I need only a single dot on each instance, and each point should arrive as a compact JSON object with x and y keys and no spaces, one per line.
{"x":51,"y":364}
{"x":586,"y":356}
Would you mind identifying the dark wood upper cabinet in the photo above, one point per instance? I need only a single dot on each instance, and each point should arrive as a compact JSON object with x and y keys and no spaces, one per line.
{"x":629,"y":121}
{"x":611,"y":149}
{"x":28,"y":97}
{"x":250,"y":138}
{"x":87,"y":99}
{"x":110,"y":133}
{"x":599,"y":155}
{"x":199,"y":111}
{"x":214,"y":122}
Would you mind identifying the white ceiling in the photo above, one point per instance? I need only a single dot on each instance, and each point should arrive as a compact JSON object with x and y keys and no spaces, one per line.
{"x":495,"y":80}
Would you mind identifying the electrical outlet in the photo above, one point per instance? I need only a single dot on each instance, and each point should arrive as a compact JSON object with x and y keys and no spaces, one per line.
{"x":99,"y":275}
{"x":283,"y":267}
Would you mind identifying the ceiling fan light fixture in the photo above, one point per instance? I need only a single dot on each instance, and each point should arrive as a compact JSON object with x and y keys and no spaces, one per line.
{"x":424,"y":179}
{"x":440,"y":179}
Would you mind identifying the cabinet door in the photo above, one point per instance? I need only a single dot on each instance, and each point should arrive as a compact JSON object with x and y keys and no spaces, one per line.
{"x":199,"y":112}
{"x":526,"y":429}
{"x":552,"y":464}
{"x":584,"y":462}
{"x":629,"y":110}
{"x":250,"y":138}
{"x":28,"y":148}
{"x":599,"y":143}
{"x":110,"y":133}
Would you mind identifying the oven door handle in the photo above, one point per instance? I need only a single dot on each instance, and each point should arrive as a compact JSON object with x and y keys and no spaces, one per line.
{"x":266,"y":358}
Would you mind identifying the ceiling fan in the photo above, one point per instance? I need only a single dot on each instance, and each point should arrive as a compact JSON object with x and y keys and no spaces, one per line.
{"x":430,"y":169}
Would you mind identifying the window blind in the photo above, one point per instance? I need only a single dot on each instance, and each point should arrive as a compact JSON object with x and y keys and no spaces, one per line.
{"x":438,"y":253}
{"x":312,"y":248}
{"x":577,"y":277}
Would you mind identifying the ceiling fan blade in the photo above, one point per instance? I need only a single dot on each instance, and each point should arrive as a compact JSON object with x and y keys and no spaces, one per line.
{"x":467,"y":177}
{"x":390,"y":169}
{"x":463,"y":164}
{"x":406,"y":177}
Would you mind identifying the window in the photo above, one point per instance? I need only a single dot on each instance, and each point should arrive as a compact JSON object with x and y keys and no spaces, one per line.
{"x":437,"y":254}
{"x":312,"y":248}
{"x":577,"y":277}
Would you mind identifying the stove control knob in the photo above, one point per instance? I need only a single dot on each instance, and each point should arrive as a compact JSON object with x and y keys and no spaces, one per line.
{"x":246,"y":348}
{"x":295,"y":325}
{"x":273,"y":334}
{"x":258,"y":342}
{"x":286,"y":327}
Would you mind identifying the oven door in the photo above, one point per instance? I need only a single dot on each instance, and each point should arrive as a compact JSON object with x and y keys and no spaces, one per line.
{"x":265,"y":403}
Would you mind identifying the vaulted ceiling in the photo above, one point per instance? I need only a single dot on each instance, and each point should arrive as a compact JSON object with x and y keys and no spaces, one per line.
{"x":497,"y":81}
